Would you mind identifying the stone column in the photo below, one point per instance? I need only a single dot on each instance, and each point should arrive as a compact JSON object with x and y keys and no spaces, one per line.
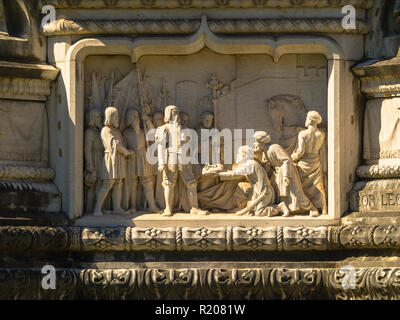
{"x":25,"y":177}
{"x":378,"y":191}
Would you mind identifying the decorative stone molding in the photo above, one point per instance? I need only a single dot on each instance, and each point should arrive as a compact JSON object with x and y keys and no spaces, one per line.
{"x":372,"y":283}
{"x":26,"y":173}
{"x":19,"y":88}
{"x":378,"y":171}
{"x":199,"y":239}
{"x":284,"y":26}
{"x":81,"y":27}
{"x":134,"y":4}
{"x":223,"y":26}
{"x":381,"y":86}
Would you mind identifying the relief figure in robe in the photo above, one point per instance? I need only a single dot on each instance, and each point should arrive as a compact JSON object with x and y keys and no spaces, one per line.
{"x":262,"y":194}
{"x":114,"y":164}
{"x":308,"y":158}
{"x":94,"y":152}
{"x":138,"y":168}
{"x":287,"y":177}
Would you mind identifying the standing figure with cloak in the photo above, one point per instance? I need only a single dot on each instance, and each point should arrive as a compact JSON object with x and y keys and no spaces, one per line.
{"x":287,"y":178}
{"x":113,"y":171}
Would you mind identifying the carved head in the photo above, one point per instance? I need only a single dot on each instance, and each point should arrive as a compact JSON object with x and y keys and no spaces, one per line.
{"x":133,"y":118}
{"x":112,"y":117}
{"x":158,"y":119}
{"x":171,"y":114}
{"x":244,"y":153}
{"x":94,"y":118}
{"x":261,"y":138}
{"x":313,"y":118}
{"x":207,"y":119}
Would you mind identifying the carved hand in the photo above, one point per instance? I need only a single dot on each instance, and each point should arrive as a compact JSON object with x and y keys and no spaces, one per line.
{"x":161,"y":167}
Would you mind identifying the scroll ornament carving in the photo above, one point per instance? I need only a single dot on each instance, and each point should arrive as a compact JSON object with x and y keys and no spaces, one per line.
{"x":372,"y":283}
{"x":295,"y":284}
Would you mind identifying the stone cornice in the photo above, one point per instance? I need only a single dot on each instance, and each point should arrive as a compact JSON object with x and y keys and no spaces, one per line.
{"x":381,"y":86}
{"x":25,"y":89}
{"x":221,"y":26}
{"x":28,"y":71}
{"x":378,"y":171}
{"x":129,"y":239}
{"x":171,"y":4}
{"x":230,"y":282}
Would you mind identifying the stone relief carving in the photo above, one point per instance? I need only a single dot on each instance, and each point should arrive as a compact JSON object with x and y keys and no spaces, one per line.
{"x":110,"y":239}
{"x":139,"y":169}
{"x":171,"y":164}
{"x":113,"y":170}
{"x":372,"y":283}
{"x":286,"y":175}
{"x":289,"y":175}
{"x":310,"y":159}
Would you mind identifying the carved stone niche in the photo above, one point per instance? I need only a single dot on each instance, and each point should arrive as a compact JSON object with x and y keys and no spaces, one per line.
{"x":235,"y":78}
{"x":377,"y":192}
{"x":25,"y":177}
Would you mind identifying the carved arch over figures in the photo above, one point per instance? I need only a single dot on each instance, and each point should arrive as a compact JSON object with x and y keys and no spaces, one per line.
{"x":136,"y":48}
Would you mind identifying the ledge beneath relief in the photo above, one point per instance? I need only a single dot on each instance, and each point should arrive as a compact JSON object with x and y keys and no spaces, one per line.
{"x":376,"y":196}
{"x":149,"y":220}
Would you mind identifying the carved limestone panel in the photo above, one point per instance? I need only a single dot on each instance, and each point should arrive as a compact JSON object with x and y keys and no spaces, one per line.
{"x":243,"y":93}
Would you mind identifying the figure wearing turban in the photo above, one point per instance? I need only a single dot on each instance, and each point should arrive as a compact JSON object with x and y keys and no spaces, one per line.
{"x":287,"y":178}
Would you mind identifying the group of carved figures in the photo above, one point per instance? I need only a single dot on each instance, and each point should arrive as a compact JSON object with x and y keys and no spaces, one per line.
{"x":265,"y":180}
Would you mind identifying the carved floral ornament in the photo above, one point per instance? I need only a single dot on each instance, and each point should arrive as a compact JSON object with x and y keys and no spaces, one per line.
{"x":364,"y":4}
{"x":133,"y":239}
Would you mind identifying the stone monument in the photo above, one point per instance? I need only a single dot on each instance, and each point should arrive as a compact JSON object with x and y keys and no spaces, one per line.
{"x":139,"y":137}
